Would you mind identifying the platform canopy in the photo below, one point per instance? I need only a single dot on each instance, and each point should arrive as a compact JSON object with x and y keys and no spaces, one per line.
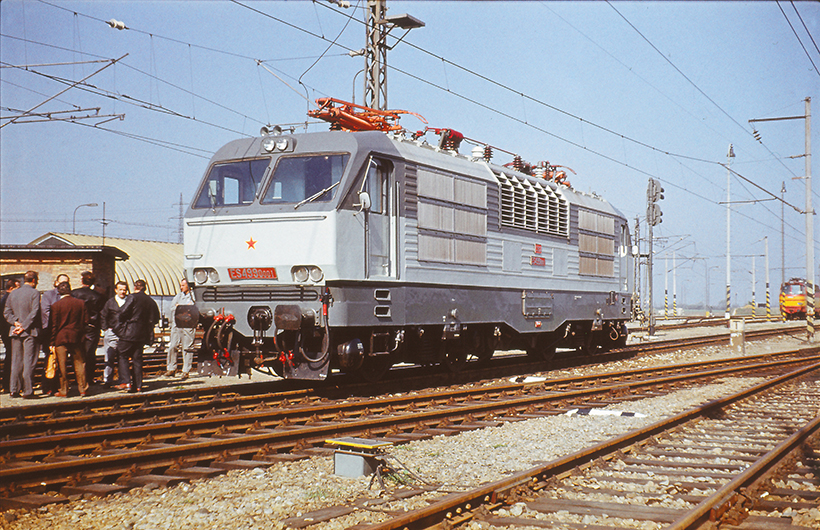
{"x":157,"y":262}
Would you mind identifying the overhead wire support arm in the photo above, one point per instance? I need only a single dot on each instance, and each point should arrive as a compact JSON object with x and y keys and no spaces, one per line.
{"x":755,"y":120}
{"x":112,"y":61}
{"x":57,"y":115}
{"x":761,"y":188}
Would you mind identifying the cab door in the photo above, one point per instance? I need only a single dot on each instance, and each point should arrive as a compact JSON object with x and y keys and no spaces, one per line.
{"x":380,"y":221}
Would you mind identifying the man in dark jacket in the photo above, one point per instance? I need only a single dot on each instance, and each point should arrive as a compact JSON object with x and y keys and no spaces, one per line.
{"x":93,"y":305}
{"x":48,"y":299}
{"x":135,"y":328}
{"x":67,"y":330}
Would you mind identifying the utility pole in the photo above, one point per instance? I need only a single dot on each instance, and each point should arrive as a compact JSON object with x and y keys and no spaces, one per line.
{"x":666,"y":288}
{"x":375,"y":84}
{"x":706,"y":291}
{"x":375,"y":57}
{"x":768,"y":300}
{"x":674,"y":285}
{"x":104,"y":223}
{"x":638,"y":265}
{"x":782,"y":235}
{"x":729,"y":156}
{"x":809,"y":217}
{"x":181,"y":223}
{"x":754,"y":281}
{"x":809,"y":232}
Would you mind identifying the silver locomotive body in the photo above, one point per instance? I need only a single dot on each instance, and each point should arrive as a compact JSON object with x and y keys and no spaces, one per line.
{"x":358,"y":250}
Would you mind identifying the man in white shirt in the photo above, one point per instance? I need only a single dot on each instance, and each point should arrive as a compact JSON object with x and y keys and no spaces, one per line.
{"x":108,"y":319}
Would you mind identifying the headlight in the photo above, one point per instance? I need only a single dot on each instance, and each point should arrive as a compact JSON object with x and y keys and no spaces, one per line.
{"x":316,"y":273}
{"x":282,"y":144}
{"x":200,"y":276}
{"x":300,"y":274}
{"x":268,"y":144}
{"x":213,"y":276}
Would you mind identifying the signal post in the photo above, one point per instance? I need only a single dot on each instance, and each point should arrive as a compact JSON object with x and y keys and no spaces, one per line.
{"x":654,"y":193}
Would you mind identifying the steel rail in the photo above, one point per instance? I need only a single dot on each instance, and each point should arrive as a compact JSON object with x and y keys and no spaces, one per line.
{"x":133,"y":406}
{"x":111,"y":409}
{"x":457,"y":508}
{"x":236,"y":417}
{"x":21,"y":474}
{"x":718,"y":502}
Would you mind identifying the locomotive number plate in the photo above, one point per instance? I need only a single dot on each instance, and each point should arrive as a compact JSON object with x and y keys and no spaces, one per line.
{"x":252,"y":273}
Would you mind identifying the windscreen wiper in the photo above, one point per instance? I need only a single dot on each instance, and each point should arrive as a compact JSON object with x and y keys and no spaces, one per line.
{"x":316,"y":195}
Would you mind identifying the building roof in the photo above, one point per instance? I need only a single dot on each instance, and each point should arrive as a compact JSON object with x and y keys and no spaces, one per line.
{"x":156,"y":262}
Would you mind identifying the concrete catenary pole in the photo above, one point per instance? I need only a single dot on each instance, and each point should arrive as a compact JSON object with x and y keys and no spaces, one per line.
{"x":729,"y":156}
{"x":768,"y":298}
{"x":754,"y":281}
{"x":783,"y":234}
{"x":666,"y":288}
{"x":809,"y":232}
{"x":674,"y":285}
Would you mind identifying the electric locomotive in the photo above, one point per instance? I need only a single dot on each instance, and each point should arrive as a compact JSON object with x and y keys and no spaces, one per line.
{"x":793,"y":299}
{"x":358,"y":248}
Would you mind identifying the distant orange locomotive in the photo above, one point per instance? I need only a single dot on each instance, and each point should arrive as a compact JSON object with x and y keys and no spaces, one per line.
{"x":793,"y":299}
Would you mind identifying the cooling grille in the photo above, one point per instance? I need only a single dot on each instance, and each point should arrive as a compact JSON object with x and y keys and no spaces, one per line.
{"x":259,"y":294}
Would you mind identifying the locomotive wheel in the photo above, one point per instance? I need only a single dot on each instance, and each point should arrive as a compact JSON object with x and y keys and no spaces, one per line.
{"x":543,"y":349}
{"x":453,"y":356}
{"x":479,"y":347}
{"x":375,"y":367}
{"x":211,"y":341}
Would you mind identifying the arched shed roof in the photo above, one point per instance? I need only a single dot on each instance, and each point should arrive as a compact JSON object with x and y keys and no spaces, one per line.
{"x":156,"y":262}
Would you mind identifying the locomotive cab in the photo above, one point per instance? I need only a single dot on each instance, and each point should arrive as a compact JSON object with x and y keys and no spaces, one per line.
{"x":793,"y":299}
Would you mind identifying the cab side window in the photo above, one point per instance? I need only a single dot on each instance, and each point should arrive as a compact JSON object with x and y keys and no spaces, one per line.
{"x":377,"y":184}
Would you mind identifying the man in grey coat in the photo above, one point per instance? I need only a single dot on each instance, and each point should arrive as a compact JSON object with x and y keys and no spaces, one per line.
{"x":22,"y":311}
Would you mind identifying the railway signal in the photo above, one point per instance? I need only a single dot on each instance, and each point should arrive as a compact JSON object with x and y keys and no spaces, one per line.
{"x":654,"y":193}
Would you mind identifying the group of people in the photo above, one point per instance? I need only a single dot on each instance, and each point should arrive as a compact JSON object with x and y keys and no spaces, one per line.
{"x":66,"y":322}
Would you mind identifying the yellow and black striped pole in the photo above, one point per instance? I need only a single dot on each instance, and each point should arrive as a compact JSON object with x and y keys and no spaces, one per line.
{"x":810,"y":311}
{"x":768,"y":304}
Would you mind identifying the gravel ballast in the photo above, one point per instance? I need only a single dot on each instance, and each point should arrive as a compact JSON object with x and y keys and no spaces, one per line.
{"x":263,"y":498}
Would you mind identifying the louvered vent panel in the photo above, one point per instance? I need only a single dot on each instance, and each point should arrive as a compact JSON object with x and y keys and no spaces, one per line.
{"x":532,"y":206}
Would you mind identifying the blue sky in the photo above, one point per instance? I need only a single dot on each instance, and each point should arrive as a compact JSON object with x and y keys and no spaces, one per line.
{"x":619,"y":92}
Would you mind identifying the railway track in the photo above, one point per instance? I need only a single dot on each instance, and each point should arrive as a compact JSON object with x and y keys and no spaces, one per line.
{"x":748,"y":461}
{"x":407,"y":379}
{"x":98,"y":452}
{"x":697,"y":322}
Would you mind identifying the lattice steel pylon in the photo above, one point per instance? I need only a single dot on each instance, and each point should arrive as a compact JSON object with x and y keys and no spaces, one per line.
{"x":375,"y":56}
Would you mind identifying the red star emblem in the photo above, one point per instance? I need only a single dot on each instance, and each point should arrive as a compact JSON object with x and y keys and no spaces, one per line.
{"x":251,"y":243}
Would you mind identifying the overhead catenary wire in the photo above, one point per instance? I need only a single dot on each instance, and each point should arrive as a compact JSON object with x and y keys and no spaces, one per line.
{"x":571,"y":115}
{"x":798,"y":36}
{"x":125,"y":65}
{"x":625,"y":138}
{"x":805,"y":27}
